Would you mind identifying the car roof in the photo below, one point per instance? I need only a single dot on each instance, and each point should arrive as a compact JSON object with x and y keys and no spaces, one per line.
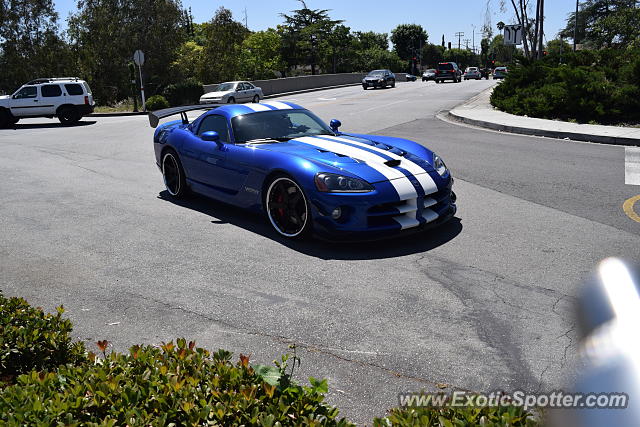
{"x":233,"y":110}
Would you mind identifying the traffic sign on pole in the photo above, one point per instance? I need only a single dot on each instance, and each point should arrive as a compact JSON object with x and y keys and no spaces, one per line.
{"x":513,"y":34}
{"x":138,"y":58}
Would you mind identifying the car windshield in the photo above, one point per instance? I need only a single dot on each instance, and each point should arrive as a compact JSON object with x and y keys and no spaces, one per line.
{"x":224,"y":87}
{"x":279,"y":125}
{"x":376,"y":73}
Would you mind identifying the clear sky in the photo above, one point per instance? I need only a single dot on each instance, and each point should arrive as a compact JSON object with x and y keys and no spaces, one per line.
{"x":437,"y":17}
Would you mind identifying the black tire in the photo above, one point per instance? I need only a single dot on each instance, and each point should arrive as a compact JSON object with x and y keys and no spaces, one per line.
{"x":289,"y":215}
{"x":231,"y":100}
{"x":69,"y":115}
{"x":5,"y":118}
{"x":256,"y":99}
{"x":173,"y":174}
{"x":364,"y":87}
{"x":393,"y":83}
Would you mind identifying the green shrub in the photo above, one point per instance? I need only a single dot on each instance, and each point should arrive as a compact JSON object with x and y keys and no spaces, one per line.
{"x":175,"y":384}
{"x":594,"y":86}
{"x":427,"y":416}
{"x":31,"y":339}
{"x":186,"y":92}
{"x":156,"y":102}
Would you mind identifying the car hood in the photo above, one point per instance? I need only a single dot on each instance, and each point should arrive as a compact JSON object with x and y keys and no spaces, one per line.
{"x":216,"y":94}
{"x":362,"y":157}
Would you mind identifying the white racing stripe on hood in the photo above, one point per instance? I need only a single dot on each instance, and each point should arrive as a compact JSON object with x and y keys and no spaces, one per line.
{"x":421,"y":175}
{"x":258,"y":107}
{"x":399,"y":180}
{"x":279,"y":105}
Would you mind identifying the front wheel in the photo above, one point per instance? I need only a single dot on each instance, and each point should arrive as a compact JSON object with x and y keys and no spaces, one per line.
{"x":256,"y":99}
{"x":287,"y":208}
{"x":393,"y":83}
{"x":364,"y":87}
{"x":173,"y":174}
{"x":231,"y":100}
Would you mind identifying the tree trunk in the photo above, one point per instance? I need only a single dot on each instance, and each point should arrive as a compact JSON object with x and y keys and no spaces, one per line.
{"x":521,"y":22}
{"x":541,"y":31}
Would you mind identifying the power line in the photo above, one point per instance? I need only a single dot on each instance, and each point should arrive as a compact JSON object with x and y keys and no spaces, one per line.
{"x":459,"y":34}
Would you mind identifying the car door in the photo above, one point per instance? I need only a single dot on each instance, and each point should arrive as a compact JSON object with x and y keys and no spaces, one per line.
{"x":251,"y":91}
{"x":245,"y":91}
{"x":205,"y":161}
{"x":26,"y":102}
{"x":51,"y":98}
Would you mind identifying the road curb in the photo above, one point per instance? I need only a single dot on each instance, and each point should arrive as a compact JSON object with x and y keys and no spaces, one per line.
{"x":576,"y":136}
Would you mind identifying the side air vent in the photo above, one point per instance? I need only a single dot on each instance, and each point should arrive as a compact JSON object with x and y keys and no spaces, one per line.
{"x":392,"y":163}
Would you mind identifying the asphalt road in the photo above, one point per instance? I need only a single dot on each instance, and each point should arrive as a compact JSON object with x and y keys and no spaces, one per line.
{"x":484,"y":303}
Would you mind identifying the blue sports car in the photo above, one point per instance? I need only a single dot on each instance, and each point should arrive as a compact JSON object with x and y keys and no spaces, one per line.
{"x":281,"y":159}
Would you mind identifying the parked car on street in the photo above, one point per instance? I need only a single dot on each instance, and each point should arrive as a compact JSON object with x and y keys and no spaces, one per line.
{"x":429,"y":74}
{"x":500,"y":73}
{"x":379,"y":78}
{"x":411,"y":78}
{"x":233,"y":92}
{"x":67,"y":98}
{"x":448,"y":71}
{"x":472,"y":73}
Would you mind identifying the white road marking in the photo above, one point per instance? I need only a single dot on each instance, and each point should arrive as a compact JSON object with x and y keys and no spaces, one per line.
{"x":327,"y":99}
{"x":632,"y":165}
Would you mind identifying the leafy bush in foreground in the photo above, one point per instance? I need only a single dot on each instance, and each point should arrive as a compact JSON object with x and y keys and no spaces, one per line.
{"x":447,"y":416}
{"x":156,"y":102}
{"x":178,"y":384}
{"x":31,"y":339}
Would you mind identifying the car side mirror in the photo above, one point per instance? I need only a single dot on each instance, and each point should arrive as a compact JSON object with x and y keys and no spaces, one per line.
{"x":211,"y":135}
{"x":334,"y":124}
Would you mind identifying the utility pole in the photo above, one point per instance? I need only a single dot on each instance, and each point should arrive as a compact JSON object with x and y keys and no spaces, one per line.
{"x":245,"y":19}
{"x":459,"y":35}
{"x":466,"y":43}
{"x":541,"y":32}
{"x":575,"y":27}
{"x":473,"y":36}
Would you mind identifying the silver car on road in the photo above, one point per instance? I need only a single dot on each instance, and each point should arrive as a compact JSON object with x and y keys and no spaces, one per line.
{"x":232,"y":92}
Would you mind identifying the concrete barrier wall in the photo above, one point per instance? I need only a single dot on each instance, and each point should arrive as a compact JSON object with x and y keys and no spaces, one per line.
{"x":293,"y":84}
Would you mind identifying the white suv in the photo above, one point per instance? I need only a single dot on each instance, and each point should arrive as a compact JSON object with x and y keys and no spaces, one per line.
{"x":67,"y":98}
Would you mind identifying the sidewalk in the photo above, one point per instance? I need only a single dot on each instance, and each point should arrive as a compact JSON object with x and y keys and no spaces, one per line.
{"x":479,"y":112}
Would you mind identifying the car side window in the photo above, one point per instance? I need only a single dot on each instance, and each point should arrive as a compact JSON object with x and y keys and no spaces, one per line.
{"x":242,"y":86}
{"x":248,"y":86}
{"x":50,"y":91}
{"x":27,"y":92}
{"x":73,"y":89}
{"x":215,"y":123}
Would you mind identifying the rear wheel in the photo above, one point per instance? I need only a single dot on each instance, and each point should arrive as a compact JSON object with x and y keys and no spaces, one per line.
{"x":69,"y":115}
{"x":287,"y":207}
{"x":173,"y":174}
{"x":256,"y":99}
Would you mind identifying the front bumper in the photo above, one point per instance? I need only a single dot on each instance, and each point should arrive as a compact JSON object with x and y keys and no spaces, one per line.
{"x":374,"y":83}
{"x":372,"y":216}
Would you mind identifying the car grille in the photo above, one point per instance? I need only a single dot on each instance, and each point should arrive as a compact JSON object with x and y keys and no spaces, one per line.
{"x":392,"y":213}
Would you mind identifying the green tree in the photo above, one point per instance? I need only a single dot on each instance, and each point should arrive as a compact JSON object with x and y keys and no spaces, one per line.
{"x":364,"y":40}
{"x":30,"y":45}
{"x":376,"y":58}
{"x":223,"y":47}
{"x":105,"y":33}
{"x":603,"y":23}
{"x":338,"y":50}
{"x":305,"y":32}
{"x":500,"y":52}
{"x":407,"y":39}
{"x":261,"y":54}
{"x":463,"y":57}
{"x":189,"y":61}
{"x":432,"y":54}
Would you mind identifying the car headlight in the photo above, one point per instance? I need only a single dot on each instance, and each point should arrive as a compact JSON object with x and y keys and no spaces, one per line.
{"x":438,"y":165}
{"x":334,"y":183}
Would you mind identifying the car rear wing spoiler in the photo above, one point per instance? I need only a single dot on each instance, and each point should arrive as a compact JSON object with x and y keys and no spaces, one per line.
{"x":155,"y":116}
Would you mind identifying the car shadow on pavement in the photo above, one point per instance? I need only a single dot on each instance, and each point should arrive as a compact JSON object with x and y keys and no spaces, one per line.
{"x":407,"y":244}
{"x":19,"y":126}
